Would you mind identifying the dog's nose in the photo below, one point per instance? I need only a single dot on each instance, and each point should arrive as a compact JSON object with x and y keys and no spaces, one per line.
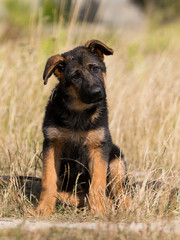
{"x":96,"y":93}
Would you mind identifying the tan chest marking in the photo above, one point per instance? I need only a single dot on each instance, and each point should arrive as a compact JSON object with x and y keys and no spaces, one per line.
{"x":95,"y":115}
{"x":93,"y":137}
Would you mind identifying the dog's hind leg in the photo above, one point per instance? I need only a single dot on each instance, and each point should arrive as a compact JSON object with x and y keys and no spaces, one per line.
{"x":116,"y":182}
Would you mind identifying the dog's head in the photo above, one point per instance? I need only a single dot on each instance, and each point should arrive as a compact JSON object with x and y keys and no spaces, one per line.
{"x":81,"y":71}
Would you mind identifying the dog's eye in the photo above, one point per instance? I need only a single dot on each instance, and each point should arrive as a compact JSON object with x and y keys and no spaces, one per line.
{"x":76,"y":76}
{"x":95,"y":69}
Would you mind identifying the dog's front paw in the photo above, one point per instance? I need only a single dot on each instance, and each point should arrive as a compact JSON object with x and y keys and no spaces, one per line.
{"x":100,"y":205}
{"x":31,"y":213}
{"x":40,"y":211}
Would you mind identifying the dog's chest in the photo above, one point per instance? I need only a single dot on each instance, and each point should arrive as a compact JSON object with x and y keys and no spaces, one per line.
{"x":87,"y":138}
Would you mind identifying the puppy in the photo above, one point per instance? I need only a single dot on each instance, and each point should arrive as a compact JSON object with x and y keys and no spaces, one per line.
{"x":79,"y":157}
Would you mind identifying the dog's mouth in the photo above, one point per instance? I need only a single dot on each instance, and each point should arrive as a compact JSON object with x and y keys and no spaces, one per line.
{"x":96,"y":100}
{"x":91,"y":100}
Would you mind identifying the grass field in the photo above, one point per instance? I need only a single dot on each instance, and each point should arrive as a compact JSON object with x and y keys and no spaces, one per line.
{"x":143,"y":83}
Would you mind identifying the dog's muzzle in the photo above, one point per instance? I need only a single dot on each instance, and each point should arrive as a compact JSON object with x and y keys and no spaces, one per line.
{"x":93,"y":95}
{"x":96,"y":95}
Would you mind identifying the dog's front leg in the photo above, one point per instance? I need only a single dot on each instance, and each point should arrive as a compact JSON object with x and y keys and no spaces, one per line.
{"x":51,"y":168}
{"x":98,"y":173}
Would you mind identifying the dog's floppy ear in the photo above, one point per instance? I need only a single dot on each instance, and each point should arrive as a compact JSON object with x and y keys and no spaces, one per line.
{"x":55,"y":64}
{"x":99,"y":48}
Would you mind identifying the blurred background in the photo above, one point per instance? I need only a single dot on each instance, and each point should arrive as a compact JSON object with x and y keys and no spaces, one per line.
{"x":17,"y":18}
{"x":116,"y":12}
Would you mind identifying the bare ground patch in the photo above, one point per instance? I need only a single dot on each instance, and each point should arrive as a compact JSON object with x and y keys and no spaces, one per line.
{"x":88,"y":230}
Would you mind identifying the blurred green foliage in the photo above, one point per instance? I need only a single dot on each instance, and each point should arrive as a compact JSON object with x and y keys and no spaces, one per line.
{"x":132,"y":51}
{"x":50,"y":8}
{"x":55,"y":9}
{"x":17,"y":12}
{"x":50,"y":45}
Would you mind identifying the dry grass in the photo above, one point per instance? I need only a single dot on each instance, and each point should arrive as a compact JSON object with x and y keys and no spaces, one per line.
{"x":144,"y":107}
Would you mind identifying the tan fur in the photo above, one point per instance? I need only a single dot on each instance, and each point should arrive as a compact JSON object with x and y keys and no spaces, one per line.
{"x":58,"y":74}
{"x":94,"y":137}
{"x":51,"y":168}
{"x":115,"y":181}
{"x":51,"y":67}
{"x":72,"y":199}
{"x":97,"y":196}
{"x":117,"y":170}
{"x":78,"y":136}
{"x":99,"y":47}
{"x":104,"y":78}
{"x":98,"y":172}
{"x":95,"y":115}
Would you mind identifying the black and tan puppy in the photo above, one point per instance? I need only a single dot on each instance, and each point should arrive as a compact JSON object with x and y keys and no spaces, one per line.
{"x":79,"y":158}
